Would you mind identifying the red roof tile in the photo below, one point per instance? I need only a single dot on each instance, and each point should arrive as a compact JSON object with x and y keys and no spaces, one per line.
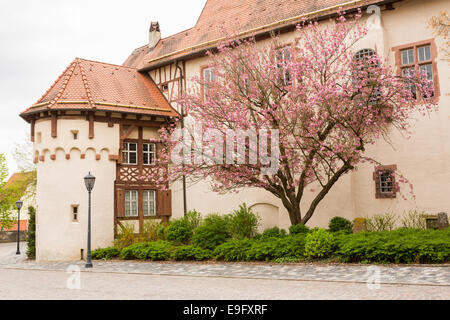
{"x":23,"y":226}
{"x":219,"y":15}
{"x":89,"y":85}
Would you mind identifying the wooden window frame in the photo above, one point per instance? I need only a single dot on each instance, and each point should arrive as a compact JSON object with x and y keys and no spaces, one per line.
{"x":415,"y":45}
{"x":379,"y":170}
{"x":128,"y":142}
{"x":137,"y":203}
{"x":75,"y":134}
{"x":202,"y":79}
{"x":148,"y":152}
{"x":282,"y":49}
{"x":148,"y":213}
{"x":72,"y":213}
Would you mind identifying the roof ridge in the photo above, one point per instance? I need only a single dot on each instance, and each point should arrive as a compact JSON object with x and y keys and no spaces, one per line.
{"x":111,"y":64}
{"x":64,"y":84}
{"x":85,"y":84}
{"x":162,"y":39}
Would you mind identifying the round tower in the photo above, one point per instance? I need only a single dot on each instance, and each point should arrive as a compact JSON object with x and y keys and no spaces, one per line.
{"x":81,"y":125}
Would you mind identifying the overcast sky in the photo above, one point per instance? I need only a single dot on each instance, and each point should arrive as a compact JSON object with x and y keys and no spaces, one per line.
{"x":38,"y":39}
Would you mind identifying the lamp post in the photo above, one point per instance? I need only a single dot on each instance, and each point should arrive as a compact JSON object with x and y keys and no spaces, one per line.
{"x":19,"y":204}
{"x":89,"y":181}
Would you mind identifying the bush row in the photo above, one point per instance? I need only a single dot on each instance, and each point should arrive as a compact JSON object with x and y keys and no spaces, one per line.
{"x":397,"y":246}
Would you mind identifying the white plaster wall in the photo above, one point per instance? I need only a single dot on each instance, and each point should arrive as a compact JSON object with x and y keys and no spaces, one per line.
{"x":424,"y":159}
{"x":60,"y":185}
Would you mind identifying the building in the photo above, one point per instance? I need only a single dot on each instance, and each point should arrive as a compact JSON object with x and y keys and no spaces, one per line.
{"x":103,"y":118}
{"x":23,"y":181}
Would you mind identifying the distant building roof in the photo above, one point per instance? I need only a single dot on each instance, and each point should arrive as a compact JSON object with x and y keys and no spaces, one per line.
{"x":243,"y":15}
{"x":18,"y":176}
{"x":91,"y":85}
{"x":23,"y":226}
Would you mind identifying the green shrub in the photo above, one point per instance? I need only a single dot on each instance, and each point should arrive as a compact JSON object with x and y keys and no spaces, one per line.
{"x":274,"y":232}
{"x":414,"y":219}
{"x":161,"y":232}
{"x":234,"y":250}
{"x":287,"y":259}
{"x":156,"y":250}
{"x":191,"y":253}
{"x":149,"y":231}
{"x":243,"y":223}
{"x":319,"y":244}
{"x":193,"y":219}
{"x":298,"y":228}
{"x":274,"y":248}
{"x":179,"y":231}
{"x":105,"y":253}
{"x":340,"y":224}
{"x":31,"y":233}
{"x":261,"y":250}
{"x":125,"y":237}
{"x":213,"y":231}
{"x":381,"y":222}
{"x":397,"y":246}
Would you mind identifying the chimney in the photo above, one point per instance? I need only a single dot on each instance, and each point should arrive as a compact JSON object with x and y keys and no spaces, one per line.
{"x":154,"y":35}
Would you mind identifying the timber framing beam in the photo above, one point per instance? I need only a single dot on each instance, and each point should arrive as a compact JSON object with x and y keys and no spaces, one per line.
{"x":54,"y":117}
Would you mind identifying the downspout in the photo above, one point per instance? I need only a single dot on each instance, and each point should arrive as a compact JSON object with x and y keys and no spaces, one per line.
{"x":182,"y":127}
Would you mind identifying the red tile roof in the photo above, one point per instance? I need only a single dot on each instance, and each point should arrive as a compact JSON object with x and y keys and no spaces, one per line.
{"x":23,"y":226}
{"x":89,"y":85}
{"x":18,"y":176}
{"x":234,"y":16}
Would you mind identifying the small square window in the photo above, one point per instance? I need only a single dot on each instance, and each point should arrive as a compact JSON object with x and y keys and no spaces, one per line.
{"x":74,"y":134}
{"x":39,"y":137}
{"x":385,"y":186}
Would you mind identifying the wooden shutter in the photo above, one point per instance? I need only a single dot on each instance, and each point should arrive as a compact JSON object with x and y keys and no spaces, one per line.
{"x":120,"y":203}
{"x":164,"y":202}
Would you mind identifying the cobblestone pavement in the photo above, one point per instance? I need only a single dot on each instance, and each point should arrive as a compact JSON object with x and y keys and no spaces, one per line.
{"x":412,"y":275}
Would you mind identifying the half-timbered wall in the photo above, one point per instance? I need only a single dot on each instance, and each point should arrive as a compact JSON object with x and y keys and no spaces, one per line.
{"x":136,"y":177}
{"x":167,"y":78}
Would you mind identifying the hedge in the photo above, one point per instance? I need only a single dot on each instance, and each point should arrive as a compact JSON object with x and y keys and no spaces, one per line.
{"x":397,"y":246}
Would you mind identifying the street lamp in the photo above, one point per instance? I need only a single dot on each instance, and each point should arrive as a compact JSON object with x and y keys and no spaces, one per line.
{"x":19,"y":204}
{"x":89,"y":181}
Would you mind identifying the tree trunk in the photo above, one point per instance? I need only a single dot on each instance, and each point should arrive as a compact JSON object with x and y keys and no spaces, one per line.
{"x":295,"y":214}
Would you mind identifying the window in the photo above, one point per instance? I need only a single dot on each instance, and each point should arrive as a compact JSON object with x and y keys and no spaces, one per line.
{"x":39,"y":137}
{"x":148,"y":153}
{"x":74,"y":213}
{"x":420,"y":55}
{"x":209,"y":75}
{"x":364,"y":54}
{"x":149,"y":203}
{"x":75,"y":134}
{"x":131,"y":203}
{"x":164,"y":87}
{"x":283,"y":57}
{"x":385,"y":186}
{"x":362,"y":63}
{"x":129,"y":153}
